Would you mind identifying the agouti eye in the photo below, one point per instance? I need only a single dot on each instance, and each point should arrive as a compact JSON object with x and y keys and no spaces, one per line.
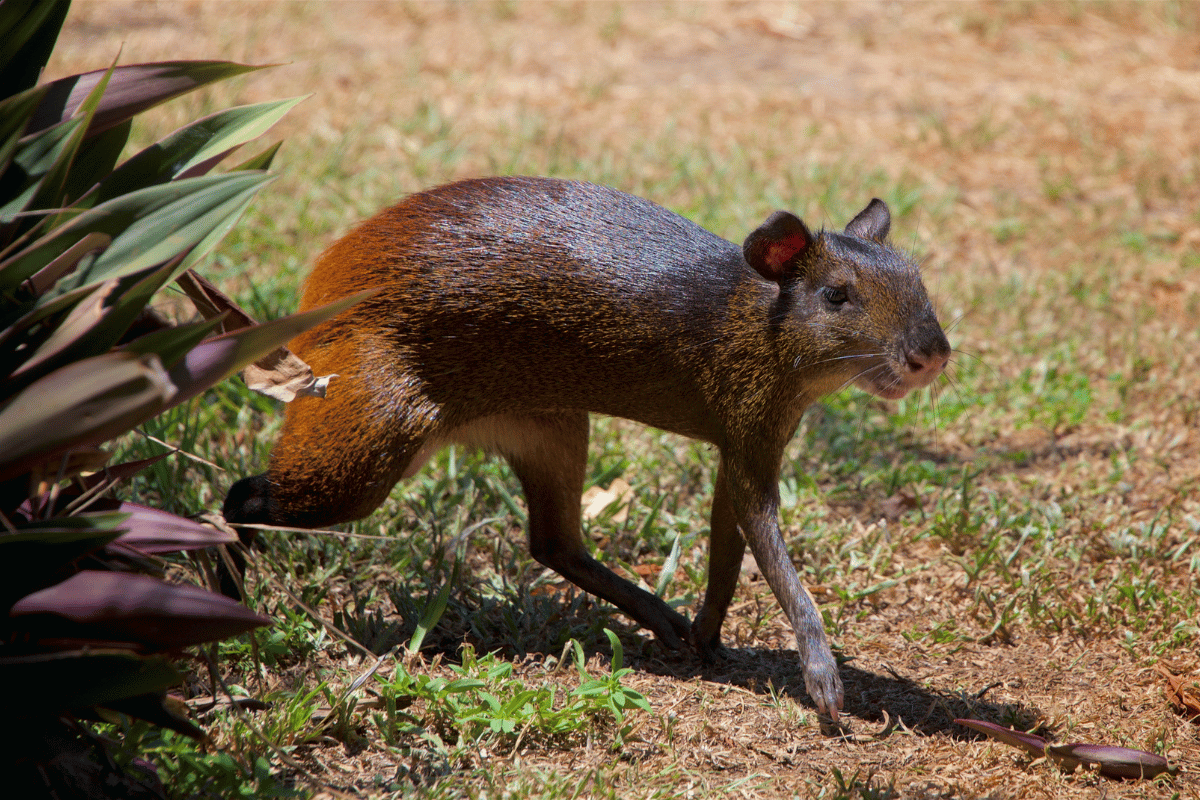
{"x":834,"y":296}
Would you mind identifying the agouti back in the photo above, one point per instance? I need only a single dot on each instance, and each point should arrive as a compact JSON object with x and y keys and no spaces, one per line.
{"x":507,"y":309}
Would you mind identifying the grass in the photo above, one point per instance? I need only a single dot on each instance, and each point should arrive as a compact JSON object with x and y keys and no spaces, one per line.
{"x":1023,"y":546}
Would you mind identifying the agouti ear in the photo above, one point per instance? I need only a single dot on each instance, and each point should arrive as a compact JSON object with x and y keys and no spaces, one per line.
{"x":772,"y":249}
{"x":873,"y":222}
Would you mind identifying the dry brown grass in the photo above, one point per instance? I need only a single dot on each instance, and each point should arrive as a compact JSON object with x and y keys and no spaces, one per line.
{"x":1053,"y":149}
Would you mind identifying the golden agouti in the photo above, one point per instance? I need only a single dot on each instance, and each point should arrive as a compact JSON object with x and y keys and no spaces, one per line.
{"x":507,"y":309}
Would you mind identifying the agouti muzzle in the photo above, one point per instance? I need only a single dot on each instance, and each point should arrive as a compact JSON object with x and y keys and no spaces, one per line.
{"x":507,"y":309}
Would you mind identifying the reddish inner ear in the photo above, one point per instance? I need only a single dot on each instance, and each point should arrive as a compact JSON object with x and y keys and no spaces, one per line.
{"x":781,"y":253}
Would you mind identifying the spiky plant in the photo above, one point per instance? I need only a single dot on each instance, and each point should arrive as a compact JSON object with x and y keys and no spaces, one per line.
{"x":88,"y":625}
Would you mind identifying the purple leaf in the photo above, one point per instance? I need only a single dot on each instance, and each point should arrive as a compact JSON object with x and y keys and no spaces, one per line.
{"x":136,"y":608}
{"x":163,"y":710}
{"x":153,"y":531}
{"x":120,"y":472}
{"x":1033,"y":744}
{"x":81,"y":405}
{"x":1115,"y":762}
{"x":132,"y":89}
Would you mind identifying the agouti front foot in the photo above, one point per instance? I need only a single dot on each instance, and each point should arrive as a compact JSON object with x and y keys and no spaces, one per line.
{"x":823,"y":684}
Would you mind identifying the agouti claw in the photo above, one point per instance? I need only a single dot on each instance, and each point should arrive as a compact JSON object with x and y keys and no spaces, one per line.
{"x":825,"y":688}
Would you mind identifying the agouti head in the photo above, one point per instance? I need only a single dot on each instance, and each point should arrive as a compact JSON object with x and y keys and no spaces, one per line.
{"x":857,"y":308}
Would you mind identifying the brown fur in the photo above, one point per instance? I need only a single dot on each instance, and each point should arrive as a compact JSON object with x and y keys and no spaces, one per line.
{"x":508,"y":309}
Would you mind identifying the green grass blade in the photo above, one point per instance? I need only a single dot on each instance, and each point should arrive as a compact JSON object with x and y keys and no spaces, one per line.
{"x":429,"y":617}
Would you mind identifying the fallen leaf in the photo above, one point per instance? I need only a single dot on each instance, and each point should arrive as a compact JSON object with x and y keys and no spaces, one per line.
{"x":647,"y":571}
{"x":597,"y":499}
{"x":895,"y":506}
{"x":280,"y":374}
{"x":1115,"y":762}
{"x":1185,"y":696}
{"x":1029,"y":742}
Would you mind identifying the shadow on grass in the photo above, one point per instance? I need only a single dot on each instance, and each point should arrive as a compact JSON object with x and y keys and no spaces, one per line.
{"x":540,"y":626}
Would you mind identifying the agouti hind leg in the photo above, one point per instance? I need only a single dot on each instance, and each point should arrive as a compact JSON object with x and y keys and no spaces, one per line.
{"x":336,"y":460}
{"x":549,"y":455}
{"x":725,"y":551}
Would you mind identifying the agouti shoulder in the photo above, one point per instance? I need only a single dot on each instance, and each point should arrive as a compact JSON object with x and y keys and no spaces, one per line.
{"x":507,"y":309}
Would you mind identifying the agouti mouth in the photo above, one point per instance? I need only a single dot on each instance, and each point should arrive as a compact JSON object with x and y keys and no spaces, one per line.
{"x":885,"y":382}
{"x":893,"y":391}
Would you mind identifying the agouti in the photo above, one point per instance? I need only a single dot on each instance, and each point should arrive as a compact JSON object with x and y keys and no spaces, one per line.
{"x":507,"y":309}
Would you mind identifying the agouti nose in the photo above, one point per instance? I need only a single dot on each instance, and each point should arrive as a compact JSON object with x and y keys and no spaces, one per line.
{"x":927,"y":365}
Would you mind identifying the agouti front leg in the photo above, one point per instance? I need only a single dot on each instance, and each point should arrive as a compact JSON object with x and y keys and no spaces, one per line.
{"x":549,"y":456}
{"x":755,"y":495}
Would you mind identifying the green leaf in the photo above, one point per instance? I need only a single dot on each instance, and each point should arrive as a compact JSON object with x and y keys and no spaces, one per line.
{"x":94,"y":163}
{"x":47,"y":159}
{"x":220,"y":228}
{"x":173,"y":228}
{"x":33,"y":160}
{"x":29,"y":30}
{"x":152,"y":225}
{"x":668,"y":568}
{"x":96,"y":323}
{"x":35,"y":324}
{"x":67,"y":262}
{"x":15,"y":112}
{"x":618,"y":651}
{"x":261,"y":161}
{"x":228,"y":130}
{"x":429,"y":617}
{"x":459,"y":685}
{"x":196,"y":144}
